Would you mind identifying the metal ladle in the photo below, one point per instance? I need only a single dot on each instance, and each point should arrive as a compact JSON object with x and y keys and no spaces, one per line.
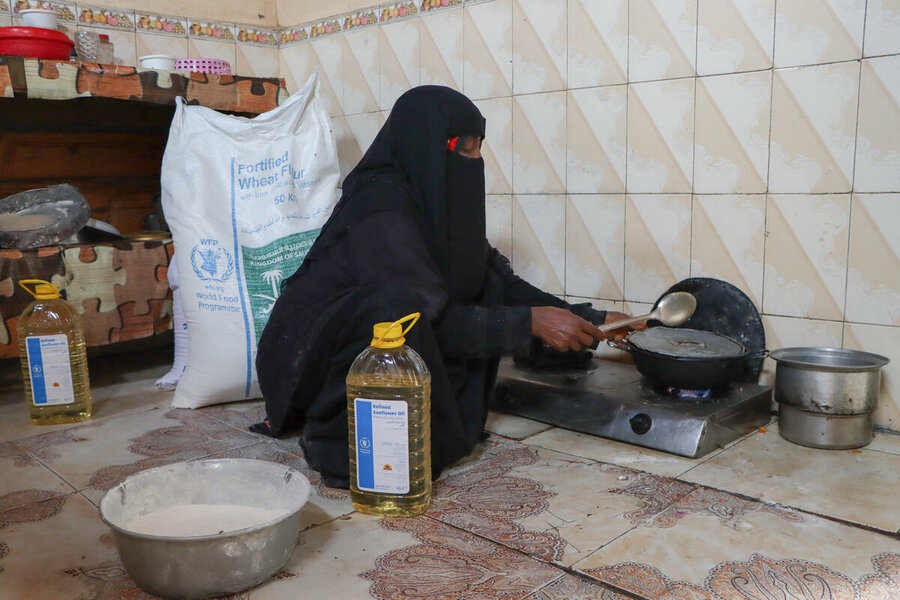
{"x":673,"y":310}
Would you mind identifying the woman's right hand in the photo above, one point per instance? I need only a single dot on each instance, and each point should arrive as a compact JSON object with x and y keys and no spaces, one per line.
{"x":561,"y":329}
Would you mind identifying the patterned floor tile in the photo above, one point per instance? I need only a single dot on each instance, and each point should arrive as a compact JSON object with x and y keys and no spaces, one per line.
{"x":402,"y":558}
{"x":513,"y":427}
{"x":24,"y":480}
{"x":59,"y":549}
{"x":533,"y":500}
{"x":570,"y":587}
{"x":712,"y":545}
{"x":854,"y":485}
{"x":120,"y":384}
{"x":96,"y":456}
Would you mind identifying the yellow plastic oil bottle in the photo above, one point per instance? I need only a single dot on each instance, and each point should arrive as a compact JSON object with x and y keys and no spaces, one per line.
{"x":54,"y":361}
{"x":389,"y":408}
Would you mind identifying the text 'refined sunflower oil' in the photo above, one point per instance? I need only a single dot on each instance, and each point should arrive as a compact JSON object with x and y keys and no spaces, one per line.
{"x":54,"y":360}
{"x":389,"y":409}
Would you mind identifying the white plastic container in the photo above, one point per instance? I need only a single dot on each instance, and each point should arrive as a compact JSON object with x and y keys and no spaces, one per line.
{"x":39,"y":17}
{"x":165,"y":62}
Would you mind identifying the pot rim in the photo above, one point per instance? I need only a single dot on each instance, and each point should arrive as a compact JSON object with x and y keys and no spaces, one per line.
{"x":819,"y":358}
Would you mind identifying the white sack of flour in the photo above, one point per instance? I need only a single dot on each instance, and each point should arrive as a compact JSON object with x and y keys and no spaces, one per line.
{"x":245,"y":199}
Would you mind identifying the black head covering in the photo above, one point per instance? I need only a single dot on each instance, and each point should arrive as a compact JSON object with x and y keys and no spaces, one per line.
{"x":442,"y":190}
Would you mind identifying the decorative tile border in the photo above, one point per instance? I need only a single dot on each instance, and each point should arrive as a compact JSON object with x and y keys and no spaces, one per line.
{"x":398,"y":10}
{"x":100,"y":16}
{"x":362,"y":18}
{"x":211,"y":30}
{"x":247,"y":34}
{"x":328,"y":26}
{"x":65,"y":11}
{"x":160,"y":24}
{"x":432,"y":5}
{"x":293,"y":35}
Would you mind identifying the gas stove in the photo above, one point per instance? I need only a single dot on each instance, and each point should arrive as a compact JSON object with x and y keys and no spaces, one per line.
{"x":614,"y":400}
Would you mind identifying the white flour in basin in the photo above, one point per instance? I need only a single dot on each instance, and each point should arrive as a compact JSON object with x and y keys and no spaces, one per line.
{"x":189,"y":520}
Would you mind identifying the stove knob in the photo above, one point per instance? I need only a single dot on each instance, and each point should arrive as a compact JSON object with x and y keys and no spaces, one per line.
{"x":641,"y":423}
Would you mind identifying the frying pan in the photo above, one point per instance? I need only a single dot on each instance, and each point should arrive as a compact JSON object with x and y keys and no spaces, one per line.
{"x":687,"y":358}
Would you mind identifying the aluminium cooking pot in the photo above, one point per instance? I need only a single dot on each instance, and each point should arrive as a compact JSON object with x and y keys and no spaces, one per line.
{"x":826,"y":396}
{"x":686,"y":358}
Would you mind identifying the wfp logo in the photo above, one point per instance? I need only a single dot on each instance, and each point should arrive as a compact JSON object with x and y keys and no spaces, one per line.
{"x":212,"y":263}
{"x":364,"y":443}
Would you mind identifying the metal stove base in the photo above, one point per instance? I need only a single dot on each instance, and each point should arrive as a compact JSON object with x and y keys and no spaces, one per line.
{"x":613,"y":400}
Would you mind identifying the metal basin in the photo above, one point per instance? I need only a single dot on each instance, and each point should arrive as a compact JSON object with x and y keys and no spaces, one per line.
{"x":203,"y":566}
{"x":827,"y":395}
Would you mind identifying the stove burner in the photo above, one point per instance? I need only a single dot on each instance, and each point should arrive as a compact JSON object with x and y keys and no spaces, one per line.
{"x":689,"y":394}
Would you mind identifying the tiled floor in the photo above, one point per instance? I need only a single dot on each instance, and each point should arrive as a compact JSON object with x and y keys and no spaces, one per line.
{"x":534,"y":513}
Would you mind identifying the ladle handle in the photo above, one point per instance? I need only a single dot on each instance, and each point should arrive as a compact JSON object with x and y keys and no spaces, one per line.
{"x":626,"y":322}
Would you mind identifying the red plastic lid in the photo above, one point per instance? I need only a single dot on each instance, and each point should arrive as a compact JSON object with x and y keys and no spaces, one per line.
{"x":104,"y":37}
{"x":35,"y":33}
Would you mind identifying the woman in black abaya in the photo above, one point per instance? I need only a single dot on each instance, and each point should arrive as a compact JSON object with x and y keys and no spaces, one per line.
{"x":408,"y":235}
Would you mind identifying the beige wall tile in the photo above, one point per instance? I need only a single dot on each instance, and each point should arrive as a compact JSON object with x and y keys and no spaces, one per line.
{"x":598,"y":42}
{"x":789,"y":332}
{"x":813,"y":128}
{"x":728,"y":241}
{"x":817,"y":31}
{"x":884,"y":341}
{"x":731,"y":151}
{"x":297,"y":63}
{"x":660,"y":136}
{"x":657,"y":244}
{"x":441,"y":48}
{"x":806,"y":255}
{"x":198,"y":48}
{"x":361,"y":70}
{"x":161,"y":44}
{"x":497,"y":148}
{"x":256,"y":61}
{"x":539,"y":143}
{"x":882,"y":27}
{"x":487,"y":49}
{"x":539,"y":240}
{"x":878,"y":135}
{"x":595,"y":158}
{"x":498,"y":211}
{"x":364,"y":128}
{"x":539,"y":46}
{"x":399,"y":60}
{"x":123,"y":45}
{"x":348,"y":149}
{"x":735,"y":35}
{"x":662,"y":39}
{"x":873,"y":279}
{"x":595,"y":246}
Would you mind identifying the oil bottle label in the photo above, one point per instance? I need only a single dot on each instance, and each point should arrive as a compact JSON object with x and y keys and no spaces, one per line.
{"x":382,"y":446}
{"x":50,"y":370}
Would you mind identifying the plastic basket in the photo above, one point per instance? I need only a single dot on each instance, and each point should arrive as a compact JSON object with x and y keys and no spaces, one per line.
{"x":203,"y":65}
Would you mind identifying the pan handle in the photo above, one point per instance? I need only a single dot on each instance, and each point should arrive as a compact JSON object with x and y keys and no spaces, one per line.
{"x":617,"y":344}
{"x":758,"y":354}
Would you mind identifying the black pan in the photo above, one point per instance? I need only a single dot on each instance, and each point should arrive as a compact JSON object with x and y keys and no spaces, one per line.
{"x":687,"y":358}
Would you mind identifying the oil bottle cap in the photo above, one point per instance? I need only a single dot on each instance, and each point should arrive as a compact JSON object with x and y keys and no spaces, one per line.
{"x":43,"y":290}
{"x":390,"y":335}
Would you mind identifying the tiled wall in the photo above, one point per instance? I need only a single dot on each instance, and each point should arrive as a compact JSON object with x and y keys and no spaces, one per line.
{"x":634,"y":143}
{"x":250,"y":49}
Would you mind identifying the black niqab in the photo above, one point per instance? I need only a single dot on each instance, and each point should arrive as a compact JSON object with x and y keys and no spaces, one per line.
{"x":447,"y":189}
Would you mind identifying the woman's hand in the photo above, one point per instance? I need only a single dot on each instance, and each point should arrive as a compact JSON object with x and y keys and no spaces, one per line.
{"x":620,"y":333}
{"x":561,"y":329}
